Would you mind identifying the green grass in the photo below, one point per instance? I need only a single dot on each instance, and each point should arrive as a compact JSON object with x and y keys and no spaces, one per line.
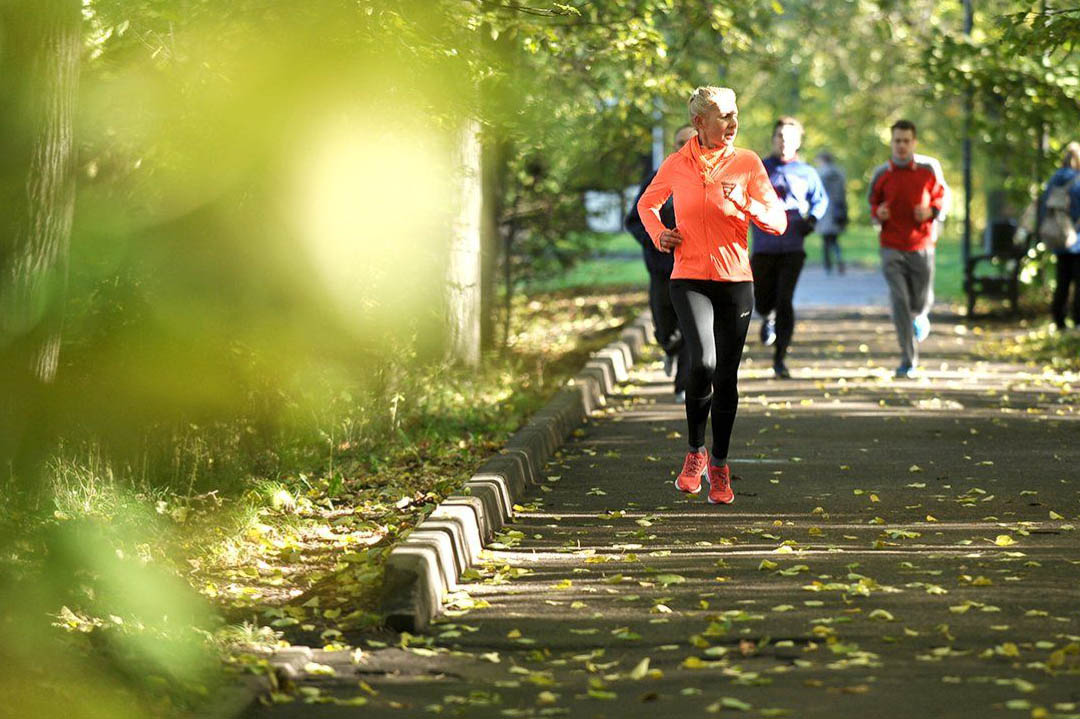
{"x":616,"y":262}
{"x":597,"y":273}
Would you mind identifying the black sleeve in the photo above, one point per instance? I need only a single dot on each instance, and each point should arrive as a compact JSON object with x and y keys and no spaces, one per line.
{"x":633,"y":220}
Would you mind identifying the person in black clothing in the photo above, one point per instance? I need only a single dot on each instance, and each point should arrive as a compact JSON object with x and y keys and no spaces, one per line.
{"x":665,"y":322}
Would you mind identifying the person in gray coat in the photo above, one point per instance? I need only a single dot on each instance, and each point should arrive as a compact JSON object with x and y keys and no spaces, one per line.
{"x":835,"y":221}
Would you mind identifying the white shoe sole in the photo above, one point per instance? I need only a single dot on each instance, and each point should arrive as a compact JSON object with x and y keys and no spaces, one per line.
{"x":696,"y":491}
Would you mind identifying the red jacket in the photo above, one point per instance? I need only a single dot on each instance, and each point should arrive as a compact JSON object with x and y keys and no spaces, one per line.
{"x":903,"y":188}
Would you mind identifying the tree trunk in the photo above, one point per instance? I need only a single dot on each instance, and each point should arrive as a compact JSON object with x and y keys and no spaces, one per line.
{"x":40,"y":45}
{"x":40,"y":68}
{"x":463,"y":287}
{"x":493,"y":154}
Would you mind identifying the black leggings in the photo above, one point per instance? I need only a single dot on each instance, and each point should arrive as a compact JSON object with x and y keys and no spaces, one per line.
{"x":832,"y":251}
{"x":1068,"y":273}
{"x":666,"y":325}
{"x":775,"y":277}
{"x":714,"y":317}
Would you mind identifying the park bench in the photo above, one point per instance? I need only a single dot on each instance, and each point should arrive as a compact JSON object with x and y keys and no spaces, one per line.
{"x":995,"y":274}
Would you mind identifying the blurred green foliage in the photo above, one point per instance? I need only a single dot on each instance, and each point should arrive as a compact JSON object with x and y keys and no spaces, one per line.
{"x":257,"y":243}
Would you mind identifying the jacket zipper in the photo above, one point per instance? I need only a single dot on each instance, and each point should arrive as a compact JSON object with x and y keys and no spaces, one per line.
{"x":705,"y":224}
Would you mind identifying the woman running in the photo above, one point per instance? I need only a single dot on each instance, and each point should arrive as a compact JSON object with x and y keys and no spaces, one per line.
{"x":718,"y":191}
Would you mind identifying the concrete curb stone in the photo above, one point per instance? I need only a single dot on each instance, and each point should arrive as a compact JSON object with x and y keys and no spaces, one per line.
{"x":426,"y":565}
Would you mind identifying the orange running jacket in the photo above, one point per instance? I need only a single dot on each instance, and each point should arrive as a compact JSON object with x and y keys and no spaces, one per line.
{"x":714,"y":245}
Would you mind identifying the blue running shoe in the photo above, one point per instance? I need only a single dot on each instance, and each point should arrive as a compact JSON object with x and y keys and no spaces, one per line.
{"x":921,"y":326}
{"x":905,"y":372}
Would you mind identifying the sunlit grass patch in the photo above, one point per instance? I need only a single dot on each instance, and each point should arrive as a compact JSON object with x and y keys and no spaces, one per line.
{"x":1056,"y":350}
{"x":615,"y":261}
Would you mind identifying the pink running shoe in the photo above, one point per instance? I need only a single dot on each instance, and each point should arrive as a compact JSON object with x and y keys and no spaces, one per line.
{"x":694,"y":468}
{"x":720,"y":485}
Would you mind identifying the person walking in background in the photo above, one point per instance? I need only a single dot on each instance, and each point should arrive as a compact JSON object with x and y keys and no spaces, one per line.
{"x":1062,"y":197}
{"x":718,"y":190}
{"x":905,"y":198}
{"x":835,"y":221}
{"x":777,"y":260}
{"x":659,"y":264}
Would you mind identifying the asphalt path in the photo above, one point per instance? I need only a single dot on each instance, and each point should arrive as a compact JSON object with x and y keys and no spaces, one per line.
{"x":896,"y":548}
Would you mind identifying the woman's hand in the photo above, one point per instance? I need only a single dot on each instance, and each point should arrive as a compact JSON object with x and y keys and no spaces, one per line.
{"x":670,"y":239}
{"x":736,"y":195}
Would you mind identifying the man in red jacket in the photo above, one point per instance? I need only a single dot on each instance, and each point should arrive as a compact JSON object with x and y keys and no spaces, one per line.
{"x":906,"y":197}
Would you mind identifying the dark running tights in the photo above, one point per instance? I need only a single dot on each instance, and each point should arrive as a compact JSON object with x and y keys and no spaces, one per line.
{"x":714,"y":317}
{"x":1068,"y":273}
{"x":775,"y":277}
{"x":666,"y":324}
{"x":832,"y":252}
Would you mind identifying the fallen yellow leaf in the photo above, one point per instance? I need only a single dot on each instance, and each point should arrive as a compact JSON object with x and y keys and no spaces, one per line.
{"x":639,"y":671}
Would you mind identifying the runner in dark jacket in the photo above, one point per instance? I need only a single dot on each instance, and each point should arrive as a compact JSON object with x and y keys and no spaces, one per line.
{"x":659,"y":264}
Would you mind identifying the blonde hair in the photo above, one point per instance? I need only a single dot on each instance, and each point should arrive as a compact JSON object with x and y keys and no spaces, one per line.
{"x":1072,"y":156}
{"x":708,"y":96}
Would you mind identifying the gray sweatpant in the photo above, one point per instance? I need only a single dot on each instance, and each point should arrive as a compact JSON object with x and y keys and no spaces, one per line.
{"x":910,"y":276}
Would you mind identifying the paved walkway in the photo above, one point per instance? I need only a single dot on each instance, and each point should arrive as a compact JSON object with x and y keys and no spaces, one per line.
{"x":856,"y":288}
{"x":896,"y":549}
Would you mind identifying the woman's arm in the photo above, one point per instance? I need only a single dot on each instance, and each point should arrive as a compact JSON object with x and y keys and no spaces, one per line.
{"x":762,"y":205}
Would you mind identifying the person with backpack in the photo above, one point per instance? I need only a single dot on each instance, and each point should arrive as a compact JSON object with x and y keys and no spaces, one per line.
{"x":1059,"y":213}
